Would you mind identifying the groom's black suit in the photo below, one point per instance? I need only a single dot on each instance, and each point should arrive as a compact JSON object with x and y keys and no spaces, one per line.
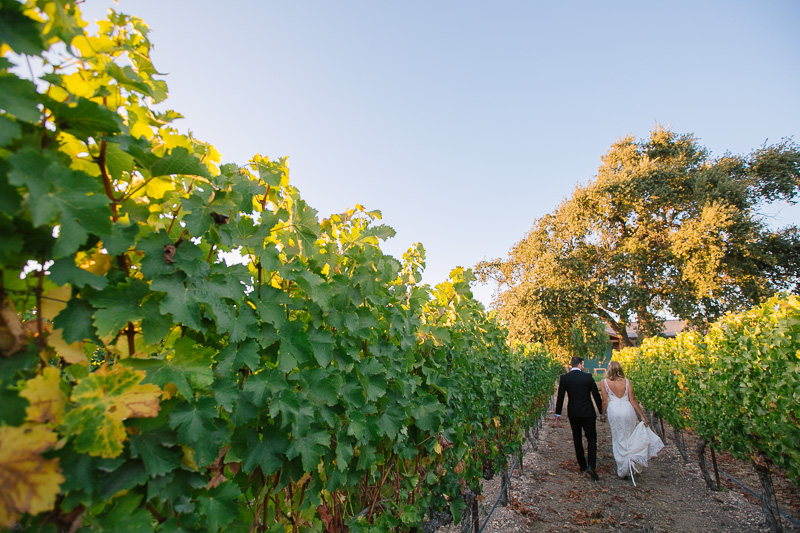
{"x":581,"y":388}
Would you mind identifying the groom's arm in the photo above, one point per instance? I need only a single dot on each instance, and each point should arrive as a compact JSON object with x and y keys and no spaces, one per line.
{"x":598,"y":400}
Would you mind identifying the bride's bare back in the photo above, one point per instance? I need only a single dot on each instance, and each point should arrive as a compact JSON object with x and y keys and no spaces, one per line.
{"x":617,"y":386}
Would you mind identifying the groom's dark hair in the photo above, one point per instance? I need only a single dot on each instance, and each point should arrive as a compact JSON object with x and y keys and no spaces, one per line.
{"x":576,"y":361}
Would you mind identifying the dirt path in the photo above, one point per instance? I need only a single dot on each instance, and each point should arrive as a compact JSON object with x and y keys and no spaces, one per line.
{"x":551,"y":495}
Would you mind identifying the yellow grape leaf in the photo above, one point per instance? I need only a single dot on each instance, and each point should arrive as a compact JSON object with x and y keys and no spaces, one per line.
{"x":170,"y":390}
{"x":141,"y":129}
{"x":101,"y":402}
{"x":157,"y":187}
{"x":30,"y":483}
{"x":54,"y":301}
{"x":81,"y":85}
{"x":188,"y":457}
{"x":45,"y":397}
{"x":173,"y":140}
{"x":98,"y":263}
{"x":71,"y":353}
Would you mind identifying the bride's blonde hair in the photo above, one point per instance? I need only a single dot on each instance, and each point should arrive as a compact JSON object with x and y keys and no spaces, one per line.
{"x":614,"y":371}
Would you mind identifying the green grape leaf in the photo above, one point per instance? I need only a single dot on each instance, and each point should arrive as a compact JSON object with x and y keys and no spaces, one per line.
{"x":370,"y":366}
{"x":353,"y":392}
{"x":268,"y":452}
{"x":117,"y":162}
{"x":367,"y":457}
{"x":175,"y":485}
{"x":62,"y":22}
{"x":177,"y":161}
{"x":244,"y":192}
{"x":197,"y":214}
{"x":194,"y":420}
{"x":305,"y":226}
{"x":156,"y":449}
{"x":64,"y":271}
{"x":291,"y":406}
{"x":10,"y":130}
{"x":56,"y":190}
{"x":345,"y":447}
{"x":155,"y":326}
{"x":188,"y":367}
{"x":12,"y":242}
{"x":207,"y":449}
{"x":375,"y":387}
{"x":322,"y":345}
{"x":85,"y":118}
{"x":226,"y":392}
{"x":119,"y":304}
{"x":190,"y":259}
{"x":272,"y":173}
{"x":181,"y":301}
{"x":310,"y":447}
{"x":295,"y":347}
{"x":357,"y":426}
{"x":153,"y":263}
{"x":391,"y":421}
{"x":245,"y":325}
{"x":428,"y":413}
{"x":19,"y":98}
{"x":125,"y":514}
{"x":270,"y":306}
{"x":323,"y":386}
{"x":21,"y":33}
{"x":234,"y":356}
{"x":219,"y":506}
{"x":215,"y":292}
{"x":258,"y":389}
{"x":128,"y":475}
{"x":101,"y":402}
{"x":246,"y":233}
{"x":13,"y":411}
{"x":76,"y":321}
{"x":314,"y":286}
{"x":128,"y":78}
{"x":244,"y":409}
{"x":81,"y":471}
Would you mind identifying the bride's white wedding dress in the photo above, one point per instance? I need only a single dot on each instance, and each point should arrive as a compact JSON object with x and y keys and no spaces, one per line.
{"x":633,"y":443}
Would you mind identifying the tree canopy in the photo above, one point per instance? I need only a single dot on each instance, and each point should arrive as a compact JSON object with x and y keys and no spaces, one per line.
{"x":663,"y":229}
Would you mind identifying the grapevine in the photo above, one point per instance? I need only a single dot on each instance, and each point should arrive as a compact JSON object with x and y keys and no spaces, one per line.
{"x":737,"y":386}
{"x":148,"y":384}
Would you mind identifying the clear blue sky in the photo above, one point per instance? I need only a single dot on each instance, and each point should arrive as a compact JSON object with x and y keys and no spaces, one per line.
{"x":463,"y":121}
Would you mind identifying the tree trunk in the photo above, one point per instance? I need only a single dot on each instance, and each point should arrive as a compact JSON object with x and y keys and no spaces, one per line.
{"x":701,"y":459}
{"x":620,"y":329}
{"x":505,"y":479}
{"x":769,"y":504}
{"x":476,"y":520}
{"x":680,"y":445}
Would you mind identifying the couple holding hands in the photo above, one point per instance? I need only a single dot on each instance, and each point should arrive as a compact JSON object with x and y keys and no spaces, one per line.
{"x":632,"y":442}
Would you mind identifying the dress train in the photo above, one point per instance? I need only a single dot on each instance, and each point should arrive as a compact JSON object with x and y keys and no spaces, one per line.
{"x":633,"y":444}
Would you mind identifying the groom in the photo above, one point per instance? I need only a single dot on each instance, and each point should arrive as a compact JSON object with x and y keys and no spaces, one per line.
{"x":581,"y":388}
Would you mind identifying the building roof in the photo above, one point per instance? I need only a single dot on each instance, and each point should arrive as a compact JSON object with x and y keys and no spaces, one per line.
{"x":671,"y":328}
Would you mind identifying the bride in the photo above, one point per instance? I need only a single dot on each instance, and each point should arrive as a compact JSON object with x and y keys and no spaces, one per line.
{"x":633,"y":444}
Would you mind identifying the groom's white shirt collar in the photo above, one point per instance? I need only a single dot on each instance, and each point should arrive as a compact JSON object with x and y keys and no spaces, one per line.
{"x":575,"y":368}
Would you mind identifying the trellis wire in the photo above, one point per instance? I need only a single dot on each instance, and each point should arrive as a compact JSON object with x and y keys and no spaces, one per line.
{"x":530,"y":443}
{"x":752,"y":493}
{"x":536,"y":433}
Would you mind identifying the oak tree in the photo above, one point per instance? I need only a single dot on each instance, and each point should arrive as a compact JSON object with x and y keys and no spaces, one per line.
{"x":663,"y":229}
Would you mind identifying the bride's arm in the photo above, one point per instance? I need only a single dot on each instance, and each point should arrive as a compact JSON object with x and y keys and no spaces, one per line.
{"x":604,"y":396}
{"x":635,"y":403}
